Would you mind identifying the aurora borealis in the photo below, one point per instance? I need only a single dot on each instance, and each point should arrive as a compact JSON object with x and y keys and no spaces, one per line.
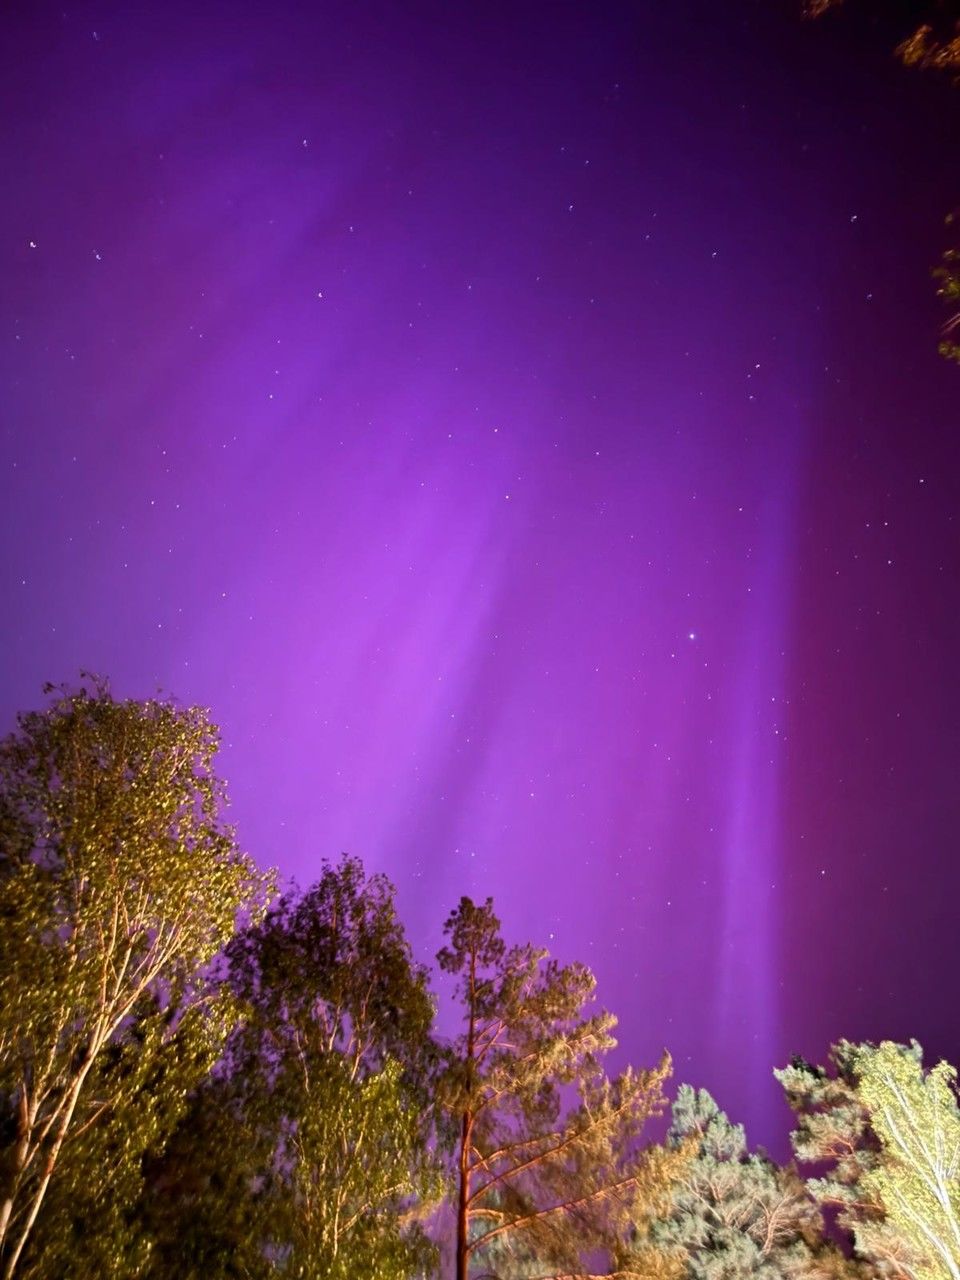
{"x":522,"y":426}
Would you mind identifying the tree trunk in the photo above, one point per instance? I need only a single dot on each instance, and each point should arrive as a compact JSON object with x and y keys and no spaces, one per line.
{"x":49,"y":1164}
{"x":463,"y":1260}
{"x":466,"y":1131}
{"x":26,"y":1113}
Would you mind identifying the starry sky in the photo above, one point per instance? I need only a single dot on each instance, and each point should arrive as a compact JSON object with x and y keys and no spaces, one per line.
{"x":522,"y":425}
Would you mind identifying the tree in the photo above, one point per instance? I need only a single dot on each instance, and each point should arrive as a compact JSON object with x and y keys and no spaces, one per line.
{"x":97,"y":1216}
{"x":891,"y":1134}
{"x":735,"y":1214}
{"x":119,"y":884}
{"x":917,"y":1180}
{"x":209,"y":1192}
{"x":325,"y":1086}
{"x":932,"y":44}
{"x":549,"y":1182}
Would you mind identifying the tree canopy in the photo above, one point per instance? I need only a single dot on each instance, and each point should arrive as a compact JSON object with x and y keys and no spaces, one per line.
{"x":326,"y":1080}
{"x":119,"y":885}
{"x":200,"y":1080}
{"x":734,"y":1213}
{"x":549,"y":1167}
{"x":888,"y":1134}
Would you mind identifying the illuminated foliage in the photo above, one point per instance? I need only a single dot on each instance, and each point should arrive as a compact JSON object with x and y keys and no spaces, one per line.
{"x":119,"y":884}
{"x":933,"y":44}
{"x":890,"y":1135}
{"x":734,"y":1213}
{"x":92,"y":1222}
{"x":916,"y":1181}
{"x":947,"y":276}
{"x":541,"y":1187}
{"x":324,"y":1090}
{"x":194,"y":1083}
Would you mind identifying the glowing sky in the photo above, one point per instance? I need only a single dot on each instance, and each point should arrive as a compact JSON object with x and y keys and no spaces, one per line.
{"x":521,"y":424}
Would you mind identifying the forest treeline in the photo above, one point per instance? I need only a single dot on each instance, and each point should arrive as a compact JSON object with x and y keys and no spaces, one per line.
{"x":204,"y":1077}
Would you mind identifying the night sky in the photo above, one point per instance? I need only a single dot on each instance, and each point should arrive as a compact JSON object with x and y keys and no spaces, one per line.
{"x":522,"y":425}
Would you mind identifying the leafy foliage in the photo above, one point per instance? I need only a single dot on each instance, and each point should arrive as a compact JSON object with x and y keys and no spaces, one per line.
{"x":194,"y":1083}
{"x":891,"y":1137}
{"x":933,"y":43}
{"x":947,"y":276}
{"x":119,"y":884}
{"x":92,"y":1220}
{"x":326,"y":1084}
{"x":917,"y":1179}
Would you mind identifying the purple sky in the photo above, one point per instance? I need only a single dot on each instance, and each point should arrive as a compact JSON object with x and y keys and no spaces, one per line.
{"x":521,"y":424}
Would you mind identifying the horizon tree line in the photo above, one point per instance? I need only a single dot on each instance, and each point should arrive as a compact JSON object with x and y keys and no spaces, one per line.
{"x":203,"y":1076}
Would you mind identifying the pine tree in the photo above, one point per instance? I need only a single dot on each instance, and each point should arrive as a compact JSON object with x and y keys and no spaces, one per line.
{"x":736,"y":1214}
{"x":544,"y":1184}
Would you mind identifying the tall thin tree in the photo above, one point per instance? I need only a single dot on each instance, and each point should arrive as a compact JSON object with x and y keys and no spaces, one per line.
{"x":548,"y":1159}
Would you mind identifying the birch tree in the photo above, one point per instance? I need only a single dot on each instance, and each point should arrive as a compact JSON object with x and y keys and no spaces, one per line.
{"x":119,"y":883}
{"x":889,"y":1136}
{"x":917,"y":1179}
{"x":97,"y":1218}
